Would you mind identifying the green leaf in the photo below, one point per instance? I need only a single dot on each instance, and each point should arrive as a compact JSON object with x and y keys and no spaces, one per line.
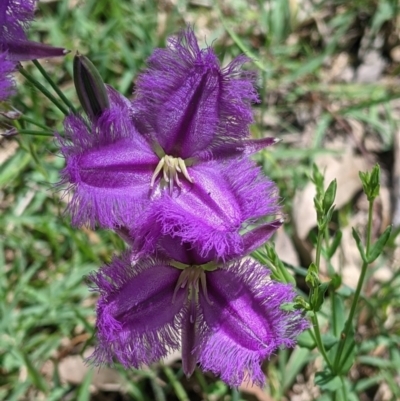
{"x":306,"y":340}
{"x":298,"y":359}
{"x":377,"y":362}
{"x":335,"y":244}
{"x":329,"y":340}
{"x":349,"y":355}
{"x":359,"y":245}
{"x":336,"y":281}
{"x":327,"y":382}
{"x":34,"y":375}
{"x":288,"y":306}
{"x":13,"y":167}
{"x":318,"y":296}
{"x":377,"y":248}
{"x":338,"y":315}
{"x":329,"y":196}
{"x":84,"y":388}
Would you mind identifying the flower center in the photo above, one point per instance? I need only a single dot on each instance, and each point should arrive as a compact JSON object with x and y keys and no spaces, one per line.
{"x":170,"y":167}
{"x":192,"y":277}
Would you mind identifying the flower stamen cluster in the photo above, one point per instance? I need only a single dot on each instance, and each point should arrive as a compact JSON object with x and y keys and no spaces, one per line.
{"x":170,"y":167}
{"x":190,"y":278}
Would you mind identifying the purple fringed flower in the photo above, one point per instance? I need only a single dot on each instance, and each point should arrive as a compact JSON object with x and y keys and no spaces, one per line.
{"x":15,"y":17}
{"x":182,"y":144}
{"x":226,"y":316}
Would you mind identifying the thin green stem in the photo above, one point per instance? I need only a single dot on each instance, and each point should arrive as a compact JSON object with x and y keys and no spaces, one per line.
{"x":319,"y":249}
{"x":33,"y":132}
{"x":369,"y":226}
{"x":59,"y":92}
{"x":357,"y":294}
{"x":314,"y":317}
{"x":331,"y":293}
{"x":235,"y":394}
{"x":238,"y":41}
{"x":32,"y":121}
{"x":44,"y":90}
{"x":318,"y":339}
{"x":176,"y":384}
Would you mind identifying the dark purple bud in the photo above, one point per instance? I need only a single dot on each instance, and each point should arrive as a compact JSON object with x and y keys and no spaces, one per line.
{"x":90,"y":87}
{"x":10,"y":133}
{"x":11,"y":114}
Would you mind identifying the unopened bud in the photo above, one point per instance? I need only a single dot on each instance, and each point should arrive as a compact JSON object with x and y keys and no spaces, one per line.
{"x":90,"y":87}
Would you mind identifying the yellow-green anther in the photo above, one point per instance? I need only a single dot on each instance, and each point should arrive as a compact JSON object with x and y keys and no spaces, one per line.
{"x":170,"y":167}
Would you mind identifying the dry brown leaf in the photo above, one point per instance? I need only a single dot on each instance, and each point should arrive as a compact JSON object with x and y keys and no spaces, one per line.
{"x":285,"y":249}
{"x":73,"y":370}
{"x":7,"y":150}
{"x":256,"y":391}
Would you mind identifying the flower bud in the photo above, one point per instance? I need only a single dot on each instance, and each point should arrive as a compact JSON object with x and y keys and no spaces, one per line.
{"x":90,"y":87}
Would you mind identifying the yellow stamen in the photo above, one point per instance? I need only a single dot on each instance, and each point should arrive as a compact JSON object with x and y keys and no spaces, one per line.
{"x":170,"y":167}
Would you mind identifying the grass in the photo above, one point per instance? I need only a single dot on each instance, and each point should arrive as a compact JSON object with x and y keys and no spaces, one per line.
{"x":47,"y":311}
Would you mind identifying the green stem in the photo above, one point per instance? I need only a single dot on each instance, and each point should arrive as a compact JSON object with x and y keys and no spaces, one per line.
{"x":318,"y":339}
{"x":357,"y":294}
{"x":319,"y":249}
{"x":314,"y":317}
{"x":331,"y":293}
{"x":176,"y":384}
{"x":33,"y":132}
{"x":44,"y":90}
{"x":235,"y":394}
{"x":59,"y":92}
{"x":32,"y":121}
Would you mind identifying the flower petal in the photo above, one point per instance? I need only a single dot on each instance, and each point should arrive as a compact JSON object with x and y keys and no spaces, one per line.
{"x":15,"y":17}
{"x":210,"y":213}
{"x":257,"y":237}
{"x":28,"y":50}
{"x":246,"y":321}
{"x":138,"y":316}
{"x":237,"y":148}
{"x":186,"y":101}
{"x":110,"y":167}
{"x":193,"y":334}
{"x":6,"y":81}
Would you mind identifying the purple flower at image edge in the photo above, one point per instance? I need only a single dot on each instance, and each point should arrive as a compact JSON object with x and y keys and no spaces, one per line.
{"x":15,"y":17}
{"x":6,"y":81}
{"x":175,"y":160}
{"x":226,"y":316}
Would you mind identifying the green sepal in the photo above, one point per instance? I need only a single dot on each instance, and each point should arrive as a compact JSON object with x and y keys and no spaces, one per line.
{"x":312,"y":279}
{"x":371,"y":182}
{"x":318,"y":296}
{"x":301,"y":303}
{"x":329,"y":196}
{"x":335,"y":244}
